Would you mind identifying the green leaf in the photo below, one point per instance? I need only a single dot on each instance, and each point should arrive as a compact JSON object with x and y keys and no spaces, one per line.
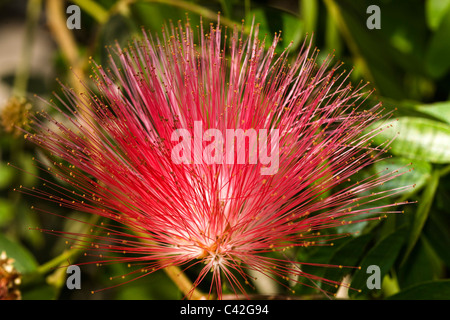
{"x":42,"y":292}
{"x":333,"y":40}
{"x":436,"y":60}
{"x":273,"y":21}
{"x":308,"y":12}
{"x":439,"y":110}
{"x":292,"y":31}
{"x":24,"y":260}
{"x":435,"y":11}
{"x":260,"y":17}
{"x":431,"y":290}
{"x":418,"y":176}
{"x":152,"y":287}
{"x":422,"y":212}
{"x":6,"y":211}
{"x":94,"y":9}
{"x":417,"y":138}
{"x":422,"y":265}
{"x":6,"y":175}
{"x":154,"y":15}
{"x":383,"y":255}
{"x":348,"y":254}
{"x":383,"y":55}
{"x":26,"y":163}
{"x":227,"y":7}
{"x":436,"y":231}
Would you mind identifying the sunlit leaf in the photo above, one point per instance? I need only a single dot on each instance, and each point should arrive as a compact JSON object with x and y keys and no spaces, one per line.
{"x":309,"y":14}
{"x":439,"y":110}
{"x":418,"y":175}
{"x":418,"y":138}
{"x":435,"y":11}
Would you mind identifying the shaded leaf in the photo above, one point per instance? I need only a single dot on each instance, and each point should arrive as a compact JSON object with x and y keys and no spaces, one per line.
{"x":422,"y":212}
{"x":422,"y":265}
{"x":383,"y":255}
{"x":153,"y":287}
{"x":348,"y":254}
{"x":27,"y":164}
{"x":273,"y":21}
{"x":436,"y":60}
{"x":6,"y":211}
{"x":41,"y":292}
{"x":432,"y":290}
{"x":6,"y":175}
{"x":383,"y":54}
{"x":24,"y":260}
{"x":436,"y":231}
{"x":293,"y":31}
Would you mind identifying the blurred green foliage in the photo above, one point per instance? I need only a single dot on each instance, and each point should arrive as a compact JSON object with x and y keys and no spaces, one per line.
{"x":406,"y":61}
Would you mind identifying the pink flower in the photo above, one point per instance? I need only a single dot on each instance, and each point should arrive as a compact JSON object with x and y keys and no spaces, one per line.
{"x":148,"y":150}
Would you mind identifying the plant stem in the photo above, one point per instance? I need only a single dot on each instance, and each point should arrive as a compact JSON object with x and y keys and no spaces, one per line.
{"x":66,"y":255}
{"x":23,"y":69}
{"x":334,"y":11}
{"x":444,"y":171}
{"x":183,"y":283}
{"x":66,"y":42}
{"x":193,"y":7}
{"x":94,"y":9}
{"x":178,"y":277}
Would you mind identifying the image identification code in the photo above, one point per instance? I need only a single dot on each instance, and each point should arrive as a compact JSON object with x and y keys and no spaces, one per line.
{"x":229,"y":309}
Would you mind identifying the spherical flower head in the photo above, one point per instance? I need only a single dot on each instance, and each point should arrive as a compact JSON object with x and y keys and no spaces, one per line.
{"x":10,"y":279}
{"x":211,"y":151}
{"x":14,"y":115}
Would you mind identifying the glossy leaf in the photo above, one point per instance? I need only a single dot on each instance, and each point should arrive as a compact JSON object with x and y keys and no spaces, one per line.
{"x":418,"y":175}
{"x":439,"y":110}
{"x":417,"y":138}
{"x":24,"y":260}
